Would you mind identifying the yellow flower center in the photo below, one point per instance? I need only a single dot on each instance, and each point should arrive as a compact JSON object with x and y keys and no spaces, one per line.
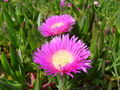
{"x":61,"y":58}
{"x":57,"y":25}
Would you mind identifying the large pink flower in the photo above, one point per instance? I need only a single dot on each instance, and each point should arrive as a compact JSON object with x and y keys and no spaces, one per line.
{"x":63,"y":55}
{"x":56,"y":25}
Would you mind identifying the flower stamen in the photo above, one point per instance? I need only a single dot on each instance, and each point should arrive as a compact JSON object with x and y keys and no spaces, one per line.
{"x":57,"y":25}
{"x":61,"y":58}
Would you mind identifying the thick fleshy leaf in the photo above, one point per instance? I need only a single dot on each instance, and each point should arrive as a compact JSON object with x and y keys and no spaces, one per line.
{"x":6,"y":65}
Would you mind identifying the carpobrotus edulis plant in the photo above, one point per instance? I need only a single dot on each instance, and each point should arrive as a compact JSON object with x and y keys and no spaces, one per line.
{"x":63,"y":55}
{"x":56,"y":25}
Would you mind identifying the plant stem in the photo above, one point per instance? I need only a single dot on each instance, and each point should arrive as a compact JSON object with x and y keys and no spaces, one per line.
{"x":61,"y":83}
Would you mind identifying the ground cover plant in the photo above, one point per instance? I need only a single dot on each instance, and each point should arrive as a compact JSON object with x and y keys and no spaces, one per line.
{"x":59,"y":45}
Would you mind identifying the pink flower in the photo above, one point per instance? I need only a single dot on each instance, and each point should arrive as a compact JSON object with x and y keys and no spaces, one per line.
{"x":69,"y":5}
{"x":62,"y":3}
{"x":96,"y":3}
{"x":5,"y":0}
{"x":63,"y":55}
{"x":56,"y":25}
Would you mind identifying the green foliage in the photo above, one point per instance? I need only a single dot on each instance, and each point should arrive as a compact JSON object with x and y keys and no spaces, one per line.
{"x":9,"y":84}
{"x":97,"y":25}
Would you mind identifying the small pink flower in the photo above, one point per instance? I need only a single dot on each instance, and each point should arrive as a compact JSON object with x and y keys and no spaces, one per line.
{"x":5,"y":0}
{"x":56,"y":25}
{"x":78,"y":8}
{"x":96,"y":3}
{"x":69,"y":5}
{"x":63,"y":55}
{"x":62,"y":3}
